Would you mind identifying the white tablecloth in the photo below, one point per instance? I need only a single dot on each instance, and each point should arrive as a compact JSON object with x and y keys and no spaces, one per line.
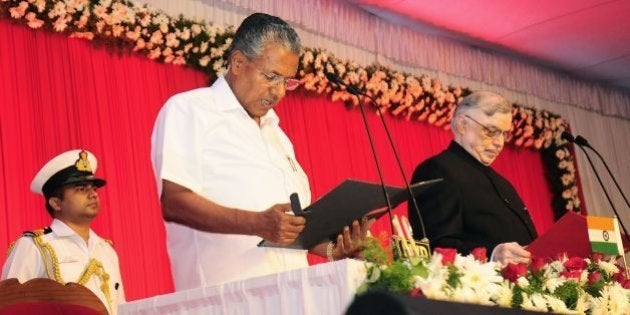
{"x":321,"y":289}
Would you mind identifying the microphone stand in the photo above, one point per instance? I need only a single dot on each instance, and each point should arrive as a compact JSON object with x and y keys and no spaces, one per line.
{"x":376,"y":162}
{"x":424,"y":242}
{"x":580,"y":143}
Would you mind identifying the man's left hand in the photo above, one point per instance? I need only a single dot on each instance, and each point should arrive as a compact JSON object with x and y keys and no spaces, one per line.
{"x":350,"y":240}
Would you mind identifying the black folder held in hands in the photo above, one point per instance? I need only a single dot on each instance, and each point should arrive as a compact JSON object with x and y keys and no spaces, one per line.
{"x":349,"y":201}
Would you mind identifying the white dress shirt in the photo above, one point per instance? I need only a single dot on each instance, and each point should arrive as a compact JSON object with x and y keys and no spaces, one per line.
{"x":25,"y":261}
{"x":204,"y":140}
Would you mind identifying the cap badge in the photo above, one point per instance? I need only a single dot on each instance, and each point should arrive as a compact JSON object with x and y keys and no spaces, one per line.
{"x":83,"y":164}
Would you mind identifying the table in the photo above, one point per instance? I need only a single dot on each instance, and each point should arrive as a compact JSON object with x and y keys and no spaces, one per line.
{"x":320,"y":289}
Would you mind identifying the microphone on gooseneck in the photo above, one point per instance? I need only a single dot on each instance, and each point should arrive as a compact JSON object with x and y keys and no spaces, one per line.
{"x":349,"y":87}
{"x":333,"y":78}
{"x":567,"y":136}
{"x":356,"y":91}
{"x":581,"y":143}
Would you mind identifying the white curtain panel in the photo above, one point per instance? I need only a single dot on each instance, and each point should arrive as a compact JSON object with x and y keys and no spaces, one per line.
{"x":599,"y":113}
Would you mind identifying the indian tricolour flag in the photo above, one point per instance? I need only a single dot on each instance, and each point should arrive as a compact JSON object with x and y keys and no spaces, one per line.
{"x":604,"y":234}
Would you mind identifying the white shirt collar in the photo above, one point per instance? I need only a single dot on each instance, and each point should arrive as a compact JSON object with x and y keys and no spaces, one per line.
{"x":227,"y":101}
{"x":63,"y":230}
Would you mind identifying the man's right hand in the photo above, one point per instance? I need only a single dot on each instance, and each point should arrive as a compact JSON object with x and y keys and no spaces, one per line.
{"x":276,"y":225}
{"x":183,"y":206}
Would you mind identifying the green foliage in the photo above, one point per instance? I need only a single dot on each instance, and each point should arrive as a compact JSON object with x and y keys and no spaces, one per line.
{"x":453,"y":276}
{"x":595,"y":289}
{"x":569,"y":293}
{"x":517,"y":296}
{"x":418,"y":268}
{"x":383,"y":274}
{"x":373,"y":252}
{"x":536,"y":282}
{"x":396,"y":278}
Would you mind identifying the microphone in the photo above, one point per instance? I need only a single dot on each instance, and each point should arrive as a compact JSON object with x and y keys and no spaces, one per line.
{"x":349,"y":87}
{"x":582,"y":142}
{"x":424,"y":242}
{"x":335,"y":79}
{"x":567,"y":136}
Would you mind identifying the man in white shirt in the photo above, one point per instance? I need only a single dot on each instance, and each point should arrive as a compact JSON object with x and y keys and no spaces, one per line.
{"x":225,"y":169}
{"x":68,"y":250}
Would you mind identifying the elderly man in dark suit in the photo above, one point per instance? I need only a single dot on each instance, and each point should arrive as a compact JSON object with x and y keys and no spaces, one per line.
{"x":474,"y":206}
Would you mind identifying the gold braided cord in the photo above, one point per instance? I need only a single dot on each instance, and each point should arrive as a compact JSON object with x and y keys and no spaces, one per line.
{"x":95,"y":267}
{"x":51,"y":262}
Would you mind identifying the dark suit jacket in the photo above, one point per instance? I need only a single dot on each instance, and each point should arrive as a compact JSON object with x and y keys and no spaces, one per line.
{"x":473,"y":207}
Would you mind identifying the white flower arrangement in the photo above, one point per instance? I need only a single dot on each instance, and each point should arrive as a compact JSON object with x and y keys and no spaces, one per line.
{"x":568,"y":286}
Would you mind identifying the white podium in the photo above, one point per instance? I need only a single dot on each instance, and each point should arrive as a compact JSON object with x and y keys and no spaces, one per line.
{"x":321,"y":289}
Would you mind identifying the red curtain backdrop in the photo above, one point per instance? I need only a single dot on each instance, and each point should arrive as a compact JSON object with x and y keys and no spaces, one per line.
{"x":58,"y":93}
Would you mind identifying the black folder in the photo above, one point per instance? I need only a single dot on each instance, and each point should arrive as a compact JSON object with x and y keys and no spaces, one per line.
{"x":349,"y":201}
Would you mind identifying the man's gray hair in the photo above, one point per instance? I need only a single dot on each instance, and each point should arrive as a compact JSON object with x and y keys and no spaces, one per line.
{"x":485,"y":101}
{"x":259,"y":29}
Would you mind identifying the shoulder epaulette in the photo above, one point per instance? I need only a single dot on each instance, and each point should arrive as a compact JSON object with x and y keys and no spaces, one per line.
{"x":38,"y":232}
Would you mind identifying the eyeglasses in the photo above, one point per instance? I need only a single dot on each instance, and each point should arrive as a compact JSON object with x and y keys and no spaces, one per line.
{"x":290,"y":84}
{"x":275,"y":79}
{"x":490,"y":132}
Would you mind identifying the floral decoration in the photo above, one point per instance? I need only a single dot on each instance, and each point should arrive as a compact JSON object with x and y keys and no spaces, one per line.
{"x":203,"y":46}
{"x":566,"y":285}
{"x":146,"y":31}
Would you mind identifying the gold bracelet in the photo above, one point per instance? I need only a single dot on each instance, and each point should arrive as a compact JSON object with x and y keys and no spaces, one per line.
{"x":329,"y":251}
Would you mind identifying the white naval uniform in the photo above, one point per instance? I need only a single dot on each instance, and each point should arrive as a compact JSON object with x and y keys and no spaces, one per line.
{"x":25,"y":261}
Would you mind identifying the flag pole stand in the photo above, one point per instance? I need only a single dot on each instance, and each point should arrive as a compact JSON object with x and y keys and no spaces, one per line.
{"x":620,"y":246}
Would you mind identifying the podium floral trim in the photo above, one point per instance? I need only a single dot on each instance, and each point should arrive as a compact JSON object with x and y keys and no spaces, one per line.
{"x":566,"y":285}
{"x":202,"y":45}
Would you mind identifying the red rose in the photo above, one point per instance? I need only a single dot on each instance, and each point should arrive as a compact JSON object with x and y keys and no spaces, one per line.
{"x":620,"y":276}
{"x":480,"y":254}
{"x":537,"y":264}
{"x":575,"y":263}
{"x":572,"y":273}
{"x":594,"y":277}
{"x":513,"y":271}
{"x":448,"y":255}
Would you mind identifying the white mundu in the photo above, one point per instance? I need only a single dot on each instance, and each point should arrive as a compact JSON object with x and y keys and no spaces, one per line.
{"x":205,"y":141}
